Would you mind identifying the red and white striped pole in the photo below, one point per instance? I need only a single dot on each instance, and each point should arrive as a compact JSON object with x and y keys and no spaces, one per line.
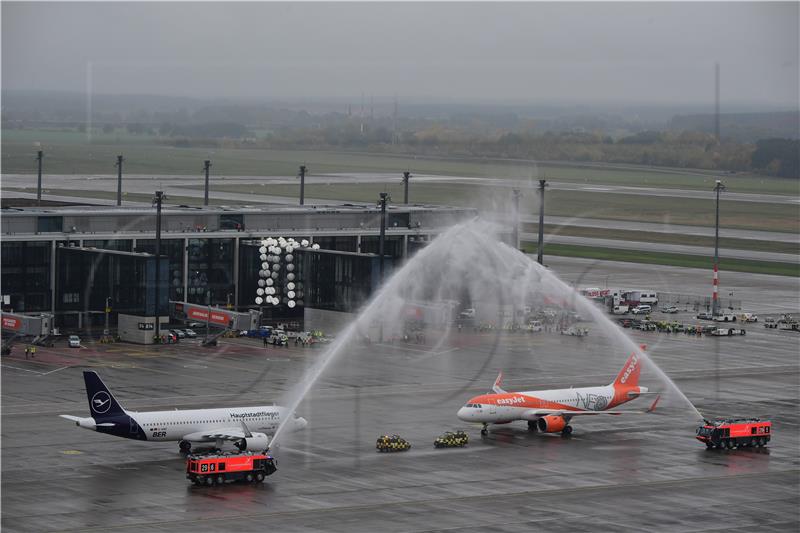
{"x":715,"y":293}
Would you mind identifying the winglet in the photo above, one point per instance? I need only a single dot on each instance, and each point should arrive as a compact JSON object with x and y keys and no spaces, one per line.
{"x":245,"y":429}
{"x":496,"y":387}
{"x":653,"y":407}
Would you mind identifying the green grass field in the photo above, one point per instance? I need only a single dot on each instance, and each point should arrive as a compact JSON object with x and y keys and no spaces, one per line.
{"x":68,"y":152}
{"x":585,"y":204}
{"x":665,"y":238}
{"x":126,"y":196}
{"x":669,"y":259}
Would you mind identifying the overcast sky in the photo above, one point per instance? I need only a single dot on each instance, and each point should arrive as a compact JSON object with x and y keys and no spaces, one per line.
{"x":488,"y":52}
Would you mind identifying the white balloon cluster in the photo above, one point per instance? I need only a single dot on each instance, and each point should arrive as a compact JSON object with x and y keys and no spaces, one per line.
{"x":276,"y":255}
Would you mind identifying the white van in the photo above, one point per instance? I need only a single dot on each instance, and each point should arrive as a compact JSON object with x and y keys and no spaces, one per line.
{"x":641,"y":309}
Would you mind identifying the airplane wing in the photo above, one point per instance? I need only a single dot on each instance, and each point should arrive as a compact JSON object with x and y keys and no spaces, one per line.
{"x":228,"y":433}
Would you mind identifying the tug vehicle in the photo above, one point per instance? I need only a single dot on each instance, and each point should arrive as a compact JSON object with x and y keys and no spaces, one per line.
{"x":393,"y":443}
{"x":451,"y":440}
{"x":734,"y":433}
{"x":217,"y":469}
{"x":727,"y":332}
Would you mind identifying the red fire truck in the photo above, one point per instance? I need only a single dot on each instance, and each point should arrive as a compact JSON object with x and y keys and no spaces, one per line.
{"x":734,"y":433}
{"x":216,"y":469}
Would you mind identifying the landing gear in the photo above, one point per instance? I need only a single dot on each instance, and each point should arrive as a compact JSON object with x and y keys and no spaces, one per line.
{"x":485,"y":430}
{"x":567,"y":431}
{"x":532,"y":426}
{"x":185,"y":446}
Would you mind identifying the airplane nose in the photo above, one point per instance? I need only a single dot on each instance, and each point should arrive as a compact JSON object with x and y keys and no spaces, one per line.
{"x":463,"y":414}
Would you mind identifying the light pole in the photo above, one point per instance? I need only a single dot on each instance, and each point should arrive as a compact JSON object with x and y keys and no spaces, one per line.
{"x":119,"y":179}
{"x":515,"y":236}
{"x":39,"y":156}
{"x":540,"y":253}
{"x":719,"y":187}
{"x":382,"y":202}
{"x":157,"y":202}
{"x":206,"y":167}
{"x":406,"y":178}
{"x":106,"y":331}
{"x":302,"y":175}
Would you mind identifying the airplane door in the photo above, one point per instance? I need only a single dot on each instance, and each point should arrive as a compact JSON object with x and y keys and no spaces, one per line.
{"x":492,"y":409}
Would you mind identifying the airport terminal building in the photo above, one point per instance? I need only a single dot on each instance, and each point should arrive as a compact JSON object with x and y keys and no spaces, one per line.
{"x":68,"y":260}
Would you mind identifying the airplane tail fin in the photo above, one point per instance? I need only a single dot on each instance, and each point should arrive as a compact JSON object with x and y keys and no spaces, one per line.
{"x":102,"y":403}
{"x":496,"y":387}
{"x":629,"y":375}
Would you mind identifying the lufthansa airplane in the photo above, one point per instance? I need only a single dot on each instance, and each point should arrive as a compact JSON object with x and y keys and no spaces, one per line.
{"x":550,"y":411}
{"x":192,"y":426}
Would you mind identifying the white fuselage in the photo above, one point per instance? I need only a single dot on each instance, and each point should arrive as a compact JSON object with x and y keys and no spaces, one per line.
{"x":511,"y":406}
{"x":173,"y":425}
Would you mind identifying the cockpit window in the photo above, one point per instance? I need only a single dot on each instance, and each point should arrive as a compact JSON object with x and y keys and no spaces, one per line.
{"x":473,"y":405}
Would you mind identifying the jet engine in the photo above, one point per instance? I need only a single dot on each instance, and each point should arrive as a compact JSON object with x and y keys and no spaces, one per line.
{"x":551,"y":423}
{"x":257,"y":441}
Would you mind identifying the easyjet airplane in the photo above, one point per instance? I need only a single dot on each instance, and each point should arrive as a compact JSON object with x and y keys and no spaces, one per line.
{"x":551,"y":410}
{"x":186,"y":426}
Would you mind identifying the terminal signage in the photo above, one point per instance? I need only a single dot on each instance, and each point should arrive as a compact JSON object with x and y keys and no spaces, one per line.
{"x":217,"y":317}
{"x":9,"y":322}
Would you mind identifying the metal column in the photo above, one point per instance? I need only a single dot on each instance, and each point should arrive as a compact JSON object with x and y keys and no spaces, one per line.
{"x":236,"y":273}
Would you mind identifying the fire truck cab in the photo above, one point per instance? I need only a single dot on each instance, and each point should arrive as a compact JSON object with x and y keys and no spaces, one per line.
{"x":218,"y":468}
{"x":734,"y":433}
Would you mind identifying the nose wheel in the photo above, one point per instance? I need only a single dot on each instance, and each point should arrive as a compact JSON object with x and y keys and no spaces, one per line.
{"x":485,"y":430}
{"x":185,"y":446}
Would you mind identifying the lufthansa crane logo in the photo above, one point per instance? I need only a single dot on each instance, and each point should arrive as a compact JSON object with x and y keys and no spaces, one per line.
{"x":101,"y":402}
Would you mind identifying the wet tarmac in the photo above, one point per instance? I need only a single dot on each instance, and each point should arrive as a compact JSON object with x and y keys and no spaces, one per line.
{"x":643,"y":473}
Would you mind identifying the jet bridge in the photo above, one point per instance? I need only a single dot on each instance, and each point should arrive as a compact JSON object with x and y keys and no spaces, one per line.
{"x":17,"y":325}
{"x":215,"y":316}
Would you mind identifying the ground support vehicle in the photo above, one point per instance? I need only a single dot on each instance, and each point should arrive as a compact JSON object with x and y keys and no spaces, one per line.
{"x":727,"y":332}
{"x":575,"y":332}
{"x":724,"y":317}
{"x":704,"y":316}
{"x":770,"y":323}
{"x":451,"y":439}
{"x":735,"y":433}
{"x":219,"y":468}
{"x":393,"y":443}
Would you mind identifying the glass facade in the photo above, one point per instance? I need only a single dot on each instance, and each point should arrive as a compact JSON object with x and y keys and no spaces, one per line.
{"x":26,"y":275}
{"x":85,"y":278}
{"x":392,"y":246}
{"x":337,"y":281}
{"x":173,"y":250}
{"x":122,"y":245}
{"x":342,"y":244}
{"x":210,"y":271}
